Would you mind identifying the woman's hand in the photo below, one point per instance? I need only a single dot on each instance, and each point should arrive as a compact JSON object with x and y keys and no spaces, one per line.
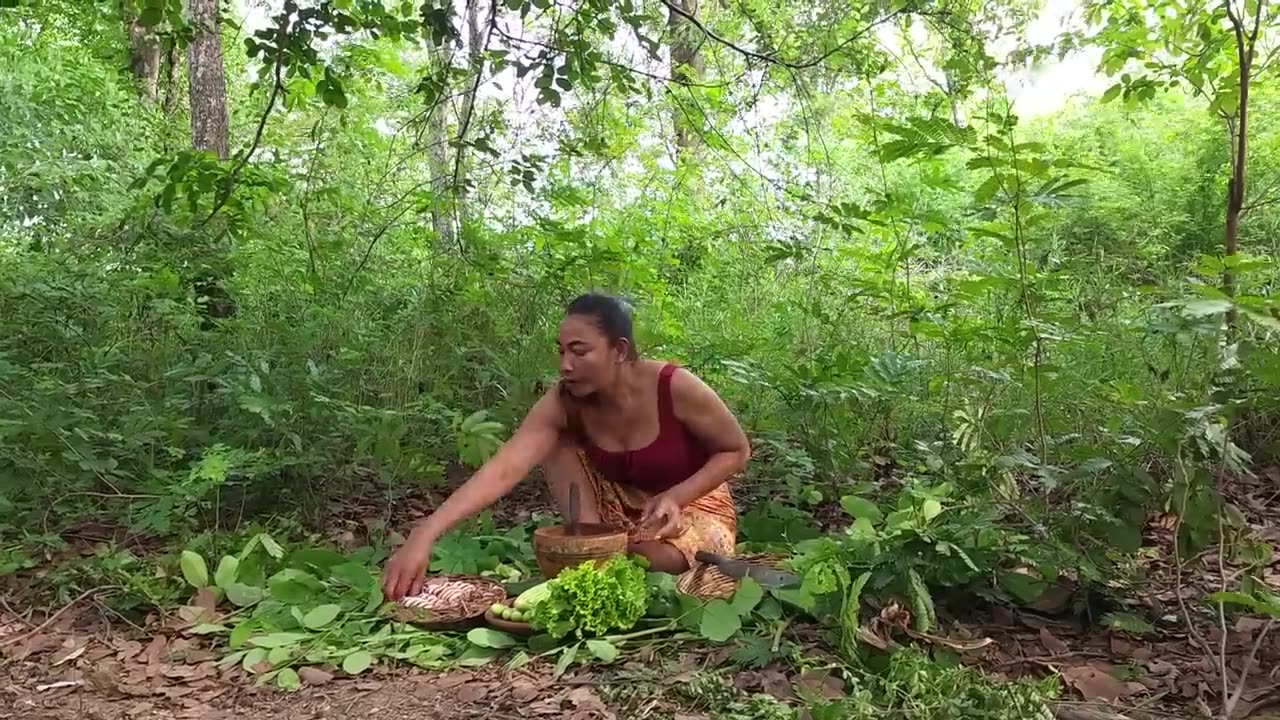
{"x":662,"y":515}
{"x":405,"y":571}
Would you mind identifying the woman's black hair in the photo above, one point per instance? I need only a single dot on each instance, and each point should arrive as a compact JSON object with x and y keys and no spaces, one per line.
{"x":612,"y":316}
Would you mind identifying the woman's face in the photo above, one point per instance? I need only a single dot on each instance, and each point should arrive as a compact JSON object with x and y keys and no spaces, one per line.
{"x":588,"y":361}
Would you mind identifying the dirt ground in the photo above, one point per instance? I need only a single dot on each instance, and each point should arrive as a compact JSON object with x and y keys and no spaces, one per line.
{"x":80,"y":662}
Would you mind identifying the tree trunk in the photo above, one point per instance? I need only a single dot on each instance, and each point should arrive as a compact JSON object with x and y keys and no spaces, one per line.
{"x":475,"y":66}
{"x":686,"y":68}
{"x":208,"y":86}
{"x":438,"y":153}
{"x":173,"y":68}
{"x":144,"y":58}
{"x":1235,"y":196}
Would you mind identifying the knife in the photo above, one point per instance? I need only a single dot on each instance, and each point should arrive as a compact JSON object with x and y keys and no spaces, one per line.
{"x":572,"y":519}
{"x":737,"y":569}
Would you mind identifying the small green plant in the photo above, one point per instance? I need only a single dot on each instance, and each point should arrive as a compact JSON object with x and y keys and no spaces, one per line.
{"x":916,"y":687}
{"x":310,"y":606}
{"x":757,"y":707}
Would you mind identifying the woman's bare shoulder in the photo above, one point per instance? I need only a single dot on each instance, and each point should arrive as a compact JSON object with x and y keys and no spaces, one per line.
{"x":549,"y":409}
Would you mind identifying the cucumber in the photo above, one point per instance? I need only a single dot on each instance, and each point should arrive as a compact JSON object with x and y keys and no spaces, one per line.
{"x":532,"y":596}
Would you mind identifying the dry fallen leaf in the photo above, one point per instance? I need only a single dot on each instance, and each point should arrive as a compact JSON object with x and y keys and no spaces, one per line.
{"x":1121,"y":647}
{"x":1094,"y":684}
{"x":822,"y":684}
{"x":776,"y":684}
{"x":1052,"y":644}
{"x":127,"y":649}
{"x":152,"y":653}
{"x":176,"y":691}
{"x":523,"y":691}
{"x":314,"y":675}
{"x":472,"y":692}
{"x":588,"y":704}
{"x":584,"y":698}
{"x":207,"y":601}
{"x":451,"y":680}
{"x":72,"y":648}
{"x":33,"y":645}
{"x":140,"y":708}
{"x":179,"y":672}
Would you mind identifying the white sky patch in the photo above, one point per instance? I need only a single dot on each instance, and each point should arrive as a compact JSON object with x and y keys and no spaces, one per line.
{"x":1047,"y":88}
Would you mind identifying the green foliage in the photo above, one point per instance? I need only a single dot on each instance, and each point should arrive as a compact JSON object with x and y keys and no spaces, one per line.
{"x":996,"y":345}
{"x":593,"y":599}
{"x":914,"y":686}
{"x":313,"y":607}
{"x":1127,"y":622}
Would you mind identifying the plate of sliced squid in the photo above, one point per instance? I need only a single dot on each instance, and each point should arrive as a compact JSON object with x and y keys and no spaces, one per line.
{"x":449,"y":601}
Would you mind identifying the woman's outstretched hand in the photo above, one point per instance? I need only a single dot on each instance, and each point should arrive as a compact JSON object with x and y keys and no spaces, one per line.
{"x":406,"y":570}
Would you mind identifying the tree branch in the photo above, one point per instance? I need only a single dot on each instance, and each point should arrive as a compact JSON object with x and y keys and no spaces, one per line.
{"x":770,"y":58}
{"x":611,"y":63}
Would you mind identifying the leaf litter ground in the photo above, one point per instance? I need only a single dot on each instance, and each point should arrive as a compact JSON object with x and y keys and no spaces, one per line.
{"x":78,"y":664}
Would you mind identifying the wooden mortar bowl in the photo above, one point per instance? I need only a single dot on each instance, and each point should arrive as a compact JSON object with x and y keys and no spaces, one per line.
{"x":556,"y":550}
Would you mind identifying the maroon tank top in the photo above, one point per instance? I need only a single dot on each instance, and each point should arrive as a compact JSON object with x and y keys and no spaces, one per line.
{"x":662,"y":464}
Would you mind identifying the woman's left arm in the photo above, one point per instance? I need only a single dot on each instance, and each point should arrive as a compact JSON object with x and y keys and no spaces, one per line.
{"x":710,"y":420}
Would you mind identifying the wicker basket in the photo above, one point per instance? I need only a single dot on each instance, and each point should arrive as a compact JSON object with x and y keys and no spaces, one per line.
{"x":454,"y":618}
{"x":706,"y":582}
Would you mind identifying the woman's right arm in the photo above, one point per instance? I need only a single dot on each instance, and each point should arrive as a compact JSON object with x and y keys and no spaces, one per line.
{"x":532,"y":441}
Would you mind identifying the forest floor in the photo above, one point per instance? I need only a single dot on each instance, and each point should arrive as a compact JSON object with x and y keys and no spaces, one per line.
{"x":82,"y":661}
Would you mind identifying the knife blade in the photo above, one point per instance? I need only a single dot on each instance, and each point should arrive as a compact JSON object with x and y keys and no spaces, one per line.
{"x":738,"y":569}
{"x":572,"y":520}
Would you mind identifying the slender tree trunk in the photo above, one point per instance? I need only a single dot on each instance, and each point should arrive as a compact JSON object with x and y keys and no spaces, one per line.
{"x":686,"y":67}
{"x":1235,"y":193}
{"x":144,"y":58}
{"x":173,"y":72}
{"x":475,"y":66}
{"x":438,"y":156}
{"x":957,"y":112}
{"x":208,"y":86}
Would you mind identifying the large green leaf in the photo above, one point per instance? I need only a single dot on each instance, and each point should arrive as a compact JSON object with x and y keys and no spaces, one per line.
{"x":294,"y":587}
{"x":747,"y":596}
{"x":226,"y":574}
{"x":858,"y":507}
{"x":244,"y":595}
{"x":357,"y":662}
{"x":194,"y":569}
{"x":603,"y":650}
{"x":321,"y":616}
{"x":353,"y":574}
{"x":288,"y":679}
{"x":275,"y":640}
{"x":490,"y":638}
{"x":567,"y":656}
{"x":719,"y":621}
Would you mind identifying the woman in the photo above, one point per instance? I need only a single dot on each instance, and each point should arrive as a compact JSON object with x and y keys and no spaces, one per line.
{"x":649,"y":446}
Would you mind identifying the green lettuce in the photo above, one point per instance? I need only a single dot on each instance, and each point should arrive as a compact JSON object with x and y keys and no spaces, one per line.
{"x":593,"y":599}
